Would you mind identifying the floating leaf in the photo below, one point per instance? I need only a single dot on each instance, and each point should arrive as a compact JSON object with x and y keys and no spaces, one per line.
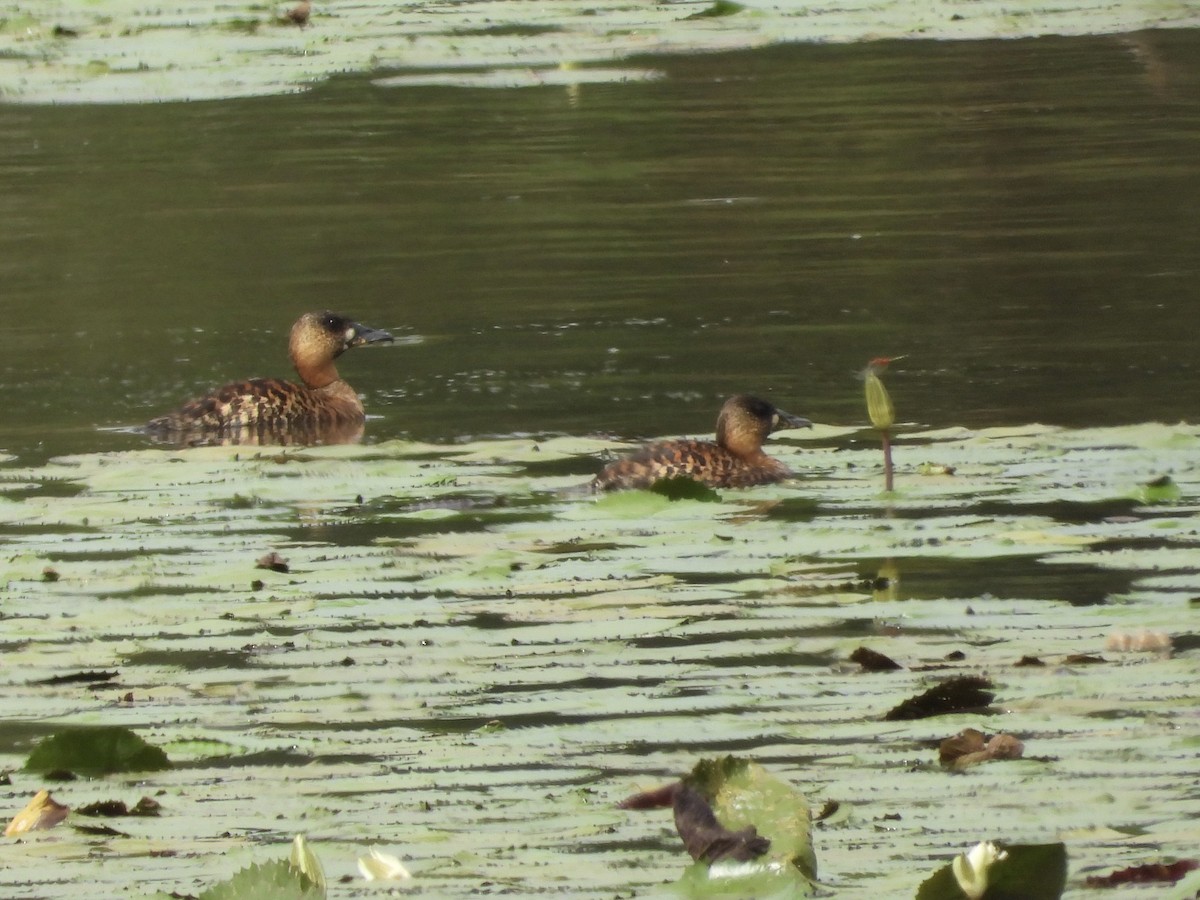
{"x":1159,"y":490}
{"x":1148,"y":873}
{"x":114,"y":808}
{"x":41,"y":813}
{"x":971,"y":746}
{"x":276,"y":880}
{"x":719,"y":9}
{"x":874,"y":661}
{"x":706,"y":839}
{"x":744,"y":794}
{"x":99,"y":750}
{"x":964,"y":693}
{"x":1022,"y":872}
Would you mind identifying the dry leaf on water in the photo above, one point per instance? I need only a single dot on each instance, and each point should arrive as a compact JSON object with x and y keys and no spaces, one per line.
{"x":42,"y":812}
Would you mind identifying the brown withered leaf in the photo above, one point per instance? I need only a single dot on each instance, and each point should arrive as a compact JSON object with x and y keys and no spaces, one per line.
{"x":42,"y":812}
{"x":78,"y":678}
{"x":147,"y":806}
{"x":272,"y":561}
{"x":971,"y":746}
{"x":969,"y":740}
{"x":106,"y":808}
{"x":964,"y":693}
{"x":1167,"y":873}
{"x":659,"y":798}
{"x":1005,"y":746}
{"x":113,"y":808}
{"x":874,"y":661}
{"x":707,"y":839}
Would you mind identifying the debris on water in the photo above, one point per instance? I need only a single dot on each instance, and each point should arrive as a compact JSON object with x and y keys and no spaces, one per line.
{"x":1163,"y":873}
{"x":1084,"y":659}
{"x":874,"y":661}
{"x":708,"y":840}
{"x":78,"y":678}
{"x":272,"y":561}
{"x":41,"y":813}
{"x":964,"y":693}
{"x":971,"y":746}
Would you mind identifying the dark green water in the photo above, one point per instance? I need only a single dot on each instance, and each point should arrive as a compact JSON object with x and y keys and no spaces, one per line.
{"x":1017,"y":217}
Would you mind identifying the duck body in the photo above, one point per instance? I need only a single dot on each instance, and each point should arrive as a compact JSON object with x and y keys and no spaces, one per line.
{"x":322,"y":409}
{"x":734,"y":460}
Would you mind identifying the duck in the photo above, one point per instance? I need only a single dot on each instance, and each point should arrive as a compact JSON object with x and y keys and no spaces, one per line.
{"x":736,"y":459}
{"x":322,"y":409}
{"x":299,"y":14}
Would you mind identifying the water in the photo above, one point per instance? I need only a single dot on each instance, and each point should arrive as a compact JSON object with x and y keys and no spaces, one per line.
{"x":1014,"y":216}
{"x":469,"y":664}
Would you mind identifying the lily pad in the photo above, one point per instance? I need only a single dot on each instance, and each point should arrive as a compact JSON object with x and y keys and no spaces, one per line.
{"x":100,"y":750}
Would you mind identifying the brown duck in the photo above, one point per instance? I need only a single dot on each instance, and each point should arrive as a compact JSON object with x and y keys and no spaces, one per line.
{"x":736,"y":459}
{"x":324,"y":409}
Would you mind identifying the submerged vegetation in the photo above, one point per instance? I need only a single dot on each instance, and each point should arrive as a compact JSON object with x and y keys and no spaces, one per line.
{"x":459,"y":655}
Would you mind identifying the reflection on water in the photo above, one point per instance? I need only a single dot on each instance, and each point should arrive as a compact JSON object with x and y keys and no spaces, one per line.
{"x":1016,"y":217}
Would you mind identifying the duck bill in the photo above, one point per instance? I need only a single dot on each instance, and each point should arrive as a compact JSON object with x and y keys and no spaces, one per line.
{"x":365,"y":335}
{"x":787,"y":420}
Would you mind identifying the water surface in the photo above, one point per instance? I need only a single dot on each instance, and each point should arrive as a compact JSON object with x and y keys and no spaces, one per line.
{"x":469,"y":661}
{"x":1015,"y":216}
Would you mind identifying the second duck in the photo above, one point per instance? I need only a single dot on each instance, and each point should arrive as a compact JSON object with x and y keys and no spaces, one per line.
{"x":736,"y":459}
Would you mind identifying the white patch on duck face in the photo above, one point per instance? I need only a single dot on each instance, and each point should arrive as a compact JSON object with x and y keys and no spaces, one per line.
{"x":774,"y":419}
{"x":350,"y":335}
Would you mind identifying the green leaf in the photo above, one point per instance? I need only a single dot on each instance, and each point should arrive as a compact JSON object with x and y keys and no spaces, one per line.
{"x":275,"y":880}
{"x":718,"y":9}
{"x":743,"y":793}
{"x":1160,"y":490}
{"x":100,"y":750}
{"x":1028,"y":872}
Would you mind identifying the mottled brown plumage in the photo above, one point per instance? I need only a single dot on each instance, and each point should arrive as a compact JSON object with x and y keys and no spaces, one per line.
{"x":324,"y":409}
{"x":299,"y":13}
{"x":736,"y":459}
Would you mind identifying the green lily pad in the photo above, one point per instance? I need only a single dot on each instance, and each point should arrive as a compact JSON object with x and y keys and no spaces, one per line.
{"x":1027,"y":872}
{"x":275,"y":880}
{"x":744,"y":794}
{"x":100,"y":750}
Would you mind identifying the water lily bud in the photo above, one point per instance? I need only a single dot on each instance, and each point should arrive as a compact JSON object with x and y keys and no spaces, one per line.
{"x":879,"y":404}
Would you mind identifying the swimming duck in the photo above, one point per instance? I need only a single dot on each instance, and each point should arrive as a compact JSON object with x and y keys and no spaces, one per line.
{"x":269,"y":410}
{"x":736,"y":459}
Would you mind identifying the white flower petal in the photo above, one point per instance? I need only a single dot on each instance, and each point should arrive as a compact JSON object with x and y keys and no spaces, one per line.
{"x":971,"y":869}
{"x":376,"y":866}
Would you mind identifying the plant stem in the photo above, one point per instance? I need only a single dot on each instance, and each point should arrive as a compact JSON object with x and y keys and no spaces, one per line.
{"x":887,"y":460}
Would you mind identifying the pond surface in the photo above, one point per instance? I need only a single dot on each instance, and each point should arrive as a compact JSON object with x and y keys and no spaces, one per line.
{"x":469,"y":662}
{"x":1014,"y":216}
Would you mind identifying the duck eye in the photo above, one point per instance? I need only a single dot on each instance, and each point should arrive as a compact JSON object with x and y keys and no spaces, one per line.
{"x":331,"y":322}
